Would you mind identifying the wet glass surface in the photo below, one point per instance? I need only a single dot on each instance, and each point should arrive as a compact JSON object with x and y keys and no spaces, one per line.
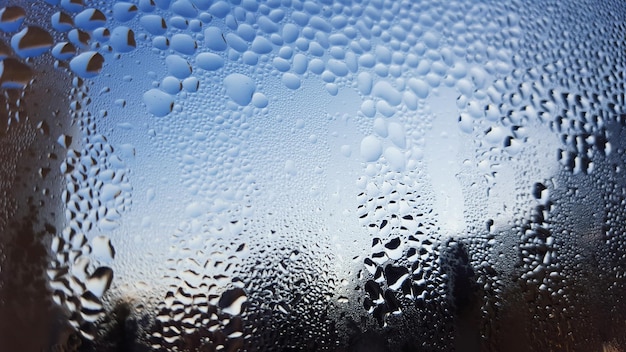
{"x":284,"y":175}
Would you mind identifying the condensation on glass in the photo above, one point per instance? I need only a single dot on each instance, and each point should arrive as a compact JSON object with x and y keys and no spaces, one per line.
{"x":204,"y":175}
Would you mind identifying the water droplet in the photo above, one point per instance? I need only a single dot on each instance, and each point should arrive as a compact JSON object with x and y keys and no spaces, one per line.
{"x":232,"y":301}
{"x":11,"y":18}
{"x":177,"y":66}
{"x":209,"y":61}
{"x":365,"y":83}
{"x":72,"y":5}
{"x":124,"y":11}
{"x":290,"y":33}
{"x":196,"y":209}
{"x":259,"y":100}
{"x":65,"y":141}
{"x":171,"y":85}
{"x":102,"y":248}
{"x":154,"y":24}
{"x":184,"y":8}
{"x":62,"y":22}
{"x":384,"y":90}
{"x":396,"y":159}
{"x":191,"y":84}
{"x":90,"y":19}
{"x":396,"y":134}
{"x":123,"y":39}
{"x":100,"y":281}
{"x":64,"y":51}
{"x":14,"y":74}
{"x":183,"y":43}
{"x":239,"y":88}
{"x":87,"y":64}
{"x":214,"y":39}
{"x":31,"y":41}
{"x":261,"y":45}
{"x":371,"y":148}
{"x":158,"y":102}
{"x":291,"y":81}
{"x":236,"y":42}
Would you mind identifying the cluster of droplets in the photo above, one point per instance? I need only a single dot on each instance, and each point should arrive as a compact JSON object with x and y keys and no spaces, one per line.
{"x":97,"y":193}
{"x":15,"y":73}
{"x":513,"y":68}
{"x":296,"y":311}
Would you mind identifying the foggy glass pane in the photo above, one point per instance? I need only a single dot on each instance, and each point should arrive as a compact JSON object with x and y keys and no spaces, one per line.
{"x":287,"y":175}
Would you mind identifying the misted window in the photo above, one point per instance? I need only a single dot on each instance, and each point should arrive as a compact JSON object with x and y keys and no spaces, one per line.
{"x":287,"y":175}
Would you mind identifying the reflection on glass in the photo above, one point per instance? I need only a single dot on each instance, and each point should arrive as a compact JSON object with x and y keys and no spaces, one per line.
{"x":199,"y":175}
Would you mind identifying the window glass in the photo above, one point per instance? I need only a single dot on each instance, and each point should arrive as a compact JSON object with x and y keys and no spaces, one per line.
{"x":287,"y":175}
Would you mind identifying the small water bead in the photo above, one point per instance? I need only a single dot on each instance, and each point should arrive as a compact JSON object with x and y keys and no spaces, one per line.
{"x":495,"y":135}
{"x":285,"y":52}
